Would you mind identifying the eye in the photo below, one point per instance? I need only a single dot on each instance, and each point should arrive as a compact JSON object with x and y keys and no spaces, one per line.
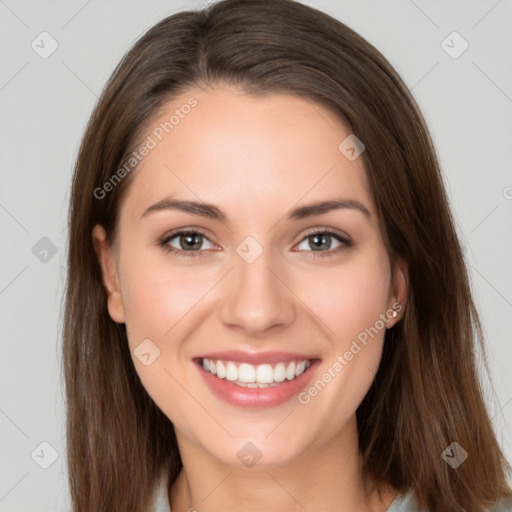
{"x":186,"y":243}
{"x":189,"y":243}
{"x":321,"y":241}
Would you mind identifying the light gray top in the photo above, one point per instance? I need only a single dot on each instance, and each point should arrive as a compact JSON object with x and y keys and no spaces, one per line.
{"x":402,"y":503}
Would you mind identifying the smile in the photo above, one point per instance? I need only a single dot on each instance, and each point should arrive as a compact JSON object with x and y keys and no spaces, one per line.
{"x":256,"y":380}
{"x":251,"y":376}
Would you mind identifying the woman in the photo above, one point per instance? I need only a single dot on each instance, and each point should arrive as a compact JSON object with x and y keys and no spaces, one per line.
{"x":267,"y":305}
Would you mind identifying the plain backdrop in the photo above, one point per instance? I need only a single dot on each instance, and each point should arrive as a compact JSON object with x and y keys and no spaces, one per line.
{"x":465,"y":95}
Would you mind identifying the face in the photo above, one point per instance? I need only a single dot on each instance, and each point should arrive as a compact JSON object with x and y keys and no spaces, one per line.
{"x":221,"y":257}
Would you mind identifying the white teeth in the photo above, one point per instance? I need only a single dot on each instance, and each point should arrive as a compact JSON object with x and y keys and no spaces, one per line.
{"x":280,"y":372}
{"x":264,"y":374}
{"x":248,"y":375}
{"x":231,"y":371}
{"x":290,"y":371}
{"x":221,"y":369}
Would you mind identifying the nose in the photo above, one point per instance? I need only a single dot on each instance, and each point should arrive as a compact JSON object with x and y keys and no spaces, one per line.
{"x":257,"y":298}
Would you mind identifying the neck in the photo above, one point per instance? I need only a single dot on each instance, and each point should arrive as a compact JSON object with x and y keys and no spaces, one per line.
{"x":321,"y":478}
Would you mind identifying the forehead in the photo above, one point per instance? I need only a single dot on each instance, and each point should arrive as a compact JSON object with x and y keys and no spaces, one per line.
{"x":226,"y":145}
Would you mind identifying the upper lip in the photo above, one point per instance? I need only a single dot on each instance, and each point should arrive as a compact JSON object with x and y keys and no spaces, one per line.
{"x":256,"y":358}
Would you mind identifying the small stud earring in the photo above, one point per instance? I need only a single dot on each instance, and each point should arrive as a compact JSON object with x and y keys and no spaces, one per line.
{"x":395,"y":314}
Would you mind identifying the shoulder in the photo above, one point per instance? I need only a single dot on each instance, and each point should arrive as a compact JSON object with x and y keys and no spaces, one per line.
{"x":505,"y":505}
{"x":161,"y":497}
{"x":405,"y":503}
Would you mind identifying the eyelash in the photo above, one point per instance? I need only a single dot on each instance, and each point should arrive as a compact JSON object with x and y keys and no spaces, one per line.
{"x":345,"y":243}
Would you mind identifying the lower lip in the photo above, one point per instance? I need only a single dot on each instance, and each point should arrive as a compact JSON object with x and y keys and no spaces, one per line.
{"x":257,"y":397}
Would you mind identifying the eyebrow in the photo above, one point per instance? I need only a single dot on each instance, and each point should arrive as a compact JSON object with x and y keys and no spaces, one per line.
{"x":213,"y":212}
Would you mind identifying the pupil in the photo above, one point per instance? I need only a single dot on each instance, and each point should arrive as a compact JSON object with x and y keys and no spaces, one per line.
{"x":316,"y":238}
{"x":192,"y":241}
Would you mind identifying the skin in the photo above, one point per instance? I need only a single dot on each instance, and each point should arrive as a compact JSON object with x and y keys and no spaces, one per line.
{"x":255,"y":158}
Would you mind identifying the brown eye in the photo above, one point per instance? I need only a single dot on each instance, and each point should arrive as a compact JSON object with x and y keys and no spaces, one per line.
{"x":321,"y":242}
{"x":190,"y":241}
{"x":186,"y":243}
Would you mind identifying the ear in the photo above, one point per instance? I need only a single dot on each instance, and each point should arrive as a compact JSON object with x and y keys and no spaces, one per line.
{"x":399,"y":292}
{"x":106,"y":259}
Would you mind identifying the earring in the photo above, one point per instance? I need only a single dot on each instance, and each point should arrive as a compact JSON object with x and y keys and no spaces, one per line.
{"x":395,"y":314}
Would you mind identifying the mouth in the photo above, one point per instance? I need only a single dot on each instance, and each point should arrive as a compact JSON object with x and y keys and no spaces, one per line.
{"x":251,"y":376}
{"x":256,"y":384}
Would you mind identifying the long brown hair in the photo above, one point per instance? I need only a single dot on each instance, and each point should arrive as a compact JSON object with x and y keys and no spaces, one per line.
{"x":426,"y":393}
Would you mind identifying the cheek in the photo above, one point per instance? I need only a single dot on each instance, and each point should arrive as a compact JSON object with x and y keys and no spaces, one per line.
{"x":349,"y":298}
{"x":160,"y":301}
{"x":164,"y":303}
{"x":157,"y":295}
{"x":350,"y":301}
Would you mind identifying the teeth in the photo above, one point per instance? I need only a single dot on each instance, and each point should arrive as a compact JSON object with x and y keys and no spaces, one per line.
{"x":280,"y":372}
{"x":231,"y":371}
{"x":290,"y":371}
{"x":221,"y":369}
{"x":264,"y":374}
{"x":246,"y":373}
{"x":250,"y":376}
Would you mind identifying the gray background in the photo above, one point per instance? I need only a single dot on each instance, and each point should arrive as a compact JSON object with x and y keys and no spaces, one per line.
{"x":45,"y":104}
